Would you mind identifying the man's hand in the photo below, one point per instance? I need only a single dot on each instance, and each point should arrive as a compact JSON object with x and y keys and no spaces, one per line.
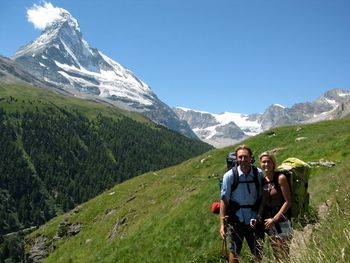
{"x":223,"y":218}
{"x":222,"y":231}
{"x":223,"y":226}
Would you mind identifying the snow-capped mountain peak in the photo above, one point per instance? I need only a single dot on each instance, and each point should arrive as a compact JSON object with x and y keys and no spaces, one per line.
{"x":62,"y":58}
{"x":43,"y":16}
{"x":58,"y":21}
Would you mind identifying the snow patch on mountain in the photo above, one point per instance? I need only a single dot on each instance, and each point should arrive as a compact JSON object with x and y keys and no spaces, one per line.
{"x":191,"y":110}
{"x":344,"y":94}
{"x":242,"y":120}
{"x":331,"y":101}
{"x":279,"y":105}
{"x":129,"y":86}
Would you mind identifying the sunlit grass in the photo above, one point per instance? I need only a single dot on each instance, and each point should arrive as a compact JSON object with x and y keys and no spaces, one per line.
{"x":330,"y":240}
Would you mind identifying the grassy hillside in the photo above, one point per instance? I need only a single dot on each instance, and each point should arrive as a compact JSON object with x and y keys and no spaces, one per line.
{"x":165,"y":216}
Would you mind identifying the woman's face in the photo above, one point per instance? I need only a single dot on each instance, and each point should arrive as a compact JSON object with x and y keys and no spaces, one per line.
{"x":266,"y":164}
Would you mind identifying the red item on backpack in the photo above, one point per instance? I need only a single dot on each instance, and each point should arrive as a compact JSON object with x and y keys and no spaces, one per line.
{"x":215,"y":207}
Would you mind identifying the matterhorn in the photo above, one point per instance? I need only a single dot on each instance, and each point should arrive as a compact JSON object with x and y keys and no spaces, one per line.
{"x":64,"y":61}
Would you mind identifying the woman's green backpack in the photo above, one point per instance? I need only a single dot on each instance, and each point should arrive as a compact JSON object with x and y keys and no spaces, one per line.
{"x":297,"y":173}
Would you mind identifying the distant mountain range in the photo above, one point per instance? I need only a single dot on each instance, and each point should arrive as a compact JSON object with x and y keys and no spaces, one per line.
{"x":61,"y":60}
{"x":228,"y":128}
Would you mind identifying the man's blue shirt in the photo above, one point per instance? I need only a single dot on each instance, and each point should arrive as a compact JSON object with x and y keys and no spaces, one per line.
{"x":244,"y":194}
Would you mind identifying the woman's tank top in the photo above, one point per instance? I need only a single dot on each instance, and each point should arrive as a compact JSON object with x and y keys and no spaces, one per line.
{"x":272,"y":195}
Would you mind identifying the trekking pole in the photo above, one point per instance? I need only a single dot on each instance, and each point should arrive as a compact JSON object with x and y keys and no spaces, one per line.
{"x":254,"y":238}
{"x":255,"y":243}
{"x":224,"y":254}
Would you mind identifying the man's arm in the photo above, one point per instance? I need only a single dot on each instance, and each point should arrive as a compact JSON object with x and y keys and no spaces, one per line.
{"x":223,"y":205}
{"x":225,"y":196}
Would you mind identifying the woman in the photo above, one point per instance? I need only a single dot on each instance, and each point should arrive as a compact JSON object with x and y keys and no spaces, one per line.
{"x":275,"y":205}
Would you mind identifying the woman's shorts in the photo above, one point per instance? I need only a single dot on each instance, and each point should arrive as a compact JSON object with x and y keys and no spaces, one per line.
{"x":282,"y":230}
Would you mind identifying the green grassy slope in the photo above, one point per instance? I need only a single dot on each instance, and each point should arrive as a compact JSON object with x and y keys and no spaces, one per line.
{"x":165,"y":216}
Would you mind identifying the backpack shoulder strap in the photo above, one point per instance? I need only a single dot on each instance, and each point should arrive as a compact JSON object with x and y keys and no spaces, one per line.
{"x":235,"y":178}
{"x":256,"y":177}
{"x":275,"y":180}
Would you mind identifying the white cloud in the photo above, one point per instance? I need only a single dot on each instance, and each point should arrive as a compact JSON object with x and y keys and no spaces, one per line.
{"x":43,"y":15}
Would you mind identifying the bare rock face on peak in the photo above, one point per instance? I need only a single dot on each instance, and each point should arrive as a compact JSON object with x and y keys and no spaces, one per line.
{"x":61,"y":58}
{"x":11,"y":72}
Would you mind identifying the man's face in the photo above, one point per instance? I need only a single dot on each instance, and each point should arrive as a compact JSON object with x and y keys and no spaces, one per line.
{"x":244,"y":158}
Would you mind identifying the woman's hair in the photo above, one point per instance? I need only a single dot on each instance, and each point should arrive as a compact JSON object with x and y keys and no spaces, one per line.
{"x":271,"y":156}
{"x":244,"y":147}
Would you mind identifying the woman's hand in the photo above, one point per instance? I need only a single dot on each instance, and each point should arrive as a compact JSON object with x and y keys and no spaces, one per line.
{"x":270,"y":222}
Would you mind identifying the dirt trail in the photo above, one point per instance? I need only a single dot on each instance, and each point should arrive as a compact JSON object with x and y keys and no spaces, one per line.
{"x":302,"y":237}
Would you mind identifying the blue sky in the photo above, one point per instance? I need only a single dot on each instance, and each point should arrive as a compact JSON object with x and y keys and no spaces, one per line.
{"x":223,"y":55}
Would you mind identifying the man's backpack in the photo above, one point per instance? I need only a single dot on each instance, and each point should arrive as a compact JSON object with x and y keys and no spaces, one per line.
{"x":297,"y":173}
{"x":232,"y":163}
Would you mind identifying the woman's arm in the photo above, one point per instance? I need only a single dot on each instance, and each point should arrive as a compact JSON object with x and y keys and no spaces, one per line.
{"x":285,"y":189}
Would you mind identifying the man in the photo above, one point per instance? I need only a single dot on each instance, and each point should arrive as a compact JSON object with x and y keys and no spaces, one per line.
{"x":239,"y":206}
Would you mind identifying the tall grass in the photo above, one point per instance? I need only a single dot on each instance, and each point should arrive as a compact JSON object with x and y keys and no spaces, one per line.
{"x":330,"y":239}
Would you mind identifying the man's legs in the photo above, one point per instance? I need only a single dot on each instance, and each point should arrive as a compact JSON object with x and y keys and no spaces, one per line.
{"x":255,"y":242}
{"x":233,"y":258}
{"x":236,"y":236}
